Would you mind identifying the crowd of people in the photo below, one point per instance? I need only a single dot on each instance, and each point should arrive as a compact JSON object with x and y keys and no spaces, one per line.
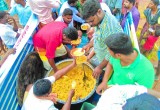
{"x":124,"y":83}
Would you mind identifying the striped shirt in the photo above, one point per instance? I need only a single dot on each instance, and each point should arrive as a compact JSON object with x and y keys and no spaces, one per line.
{"x":108,"y":26}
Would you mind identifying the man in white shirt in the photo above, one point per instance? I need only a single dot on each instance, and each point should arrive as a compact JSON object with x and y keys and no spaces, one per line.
{"x":40,"y":97}
{"x":66,"y":17}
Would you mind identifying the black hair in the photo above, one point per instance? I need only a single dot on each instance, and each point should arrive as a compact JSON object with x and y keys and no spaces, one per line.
{"x":132,"y":1}
{"x":90,"y":8}
{"x":156,"y":2}
{"x":71,"y":33}
{"x":67,"y":11}
{"x":143,"y":101}
{"x":2,"y":14}
{"x":157,"y":31}
{"x":42,"y":87}
{"x":119,"y":43}
{"x":72,"y":1}
{"x":30,"y":71}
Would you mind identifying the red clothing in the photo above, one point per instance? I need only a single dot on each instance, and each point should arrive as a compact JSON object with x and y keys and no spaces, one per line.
{"x":149,"y":44}
{"x":49,"y":37}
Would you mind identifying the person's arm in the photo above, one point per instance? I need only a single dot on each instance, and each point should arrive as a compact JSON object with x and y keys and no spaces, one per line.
{"x":90,"y":33}
{"x":115,"y":11}
{"x":106,"y":77}
{"x":78,"y":19}
{"x":91,"y":54}
{"x":63,"y":71}
{"x":98,"y":70}
{"x":10,"y":51}
{"x":118,"y":6}
{"x":52,"y":63}
{"x":88,"y":46}
{"x":11,"y":20}
{"x":67,"y":105}
{"x":153,"y":92}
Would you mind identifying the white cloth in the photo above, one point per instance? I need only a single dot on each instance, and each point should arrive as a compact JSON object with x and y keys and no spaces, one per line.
{"x":7,"y":34}
{"x":105,"y":8}
{"x":75,"y":12}
{"x":115,"y":97}
{"x":33,"y":103}
{"x":43,"y":8}
{"x":60,"y":18}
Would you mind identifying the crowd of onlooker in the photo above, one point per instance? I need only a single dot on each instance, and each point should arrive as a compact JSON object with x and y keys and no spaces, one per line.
{"x":110,"y":51}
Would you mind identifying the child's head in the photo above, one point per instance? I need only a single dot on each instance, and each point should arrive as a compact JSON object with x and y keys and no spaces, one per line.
{"x":3,"y":17}
{"x":67,"y":15}
{"x":157,"y":31}
{"x":42,"y":87}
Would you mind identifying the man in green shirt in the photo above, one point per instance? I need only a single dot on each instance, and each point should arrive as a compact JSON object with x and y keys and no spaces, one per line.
{"x":127,"y":65}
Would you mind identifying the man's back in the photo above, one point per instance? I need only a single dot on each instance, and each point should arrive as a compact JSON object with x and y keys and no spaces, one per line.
{"x":51,"y":32}
{"x":34,"y":103}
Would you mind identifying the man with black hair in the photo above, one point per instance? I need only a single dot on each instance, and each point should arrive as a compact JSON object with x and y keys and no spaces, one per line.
{"x":48,"y":42}
{"x":105,"y":25}
{"x":130,"y":7}
{"x":40,"y":96}
{"x":126,"y":65}
{"x":71,"y":4}
{"x":66,"y":17}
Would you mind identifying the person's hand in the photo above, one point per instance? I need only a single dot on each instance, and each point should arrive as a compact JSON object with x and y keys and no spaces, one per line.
{"x":72,"y":92}
{"x":101,"y":88}
{"x":74,"y":61}
{"x":11,"y":51}
{"x":86,"y":48}
{"x":90,"y":32}
{"x":97,"y":71}
{"x":11,"y":20}
{"x":53,"y":97}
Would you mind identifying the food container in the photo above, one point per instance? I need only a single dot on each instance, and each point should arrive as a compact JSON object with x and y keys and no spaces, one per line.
{"x":76,"y":42}
{"x":79,"y":54}
{"x":85,"y":26}
{"x":83,"y":90}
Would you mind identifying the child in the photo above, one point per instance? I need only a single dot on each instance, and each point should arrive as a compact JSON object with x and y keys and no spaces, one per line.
{"x":23,"y":11}
{"x":152,"y":38}
{"x":8,"y":33}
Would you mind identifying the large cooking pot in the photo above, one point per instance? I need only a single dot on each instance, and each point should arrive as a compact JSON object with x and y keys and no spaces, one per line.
{"x":86,"y":65}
